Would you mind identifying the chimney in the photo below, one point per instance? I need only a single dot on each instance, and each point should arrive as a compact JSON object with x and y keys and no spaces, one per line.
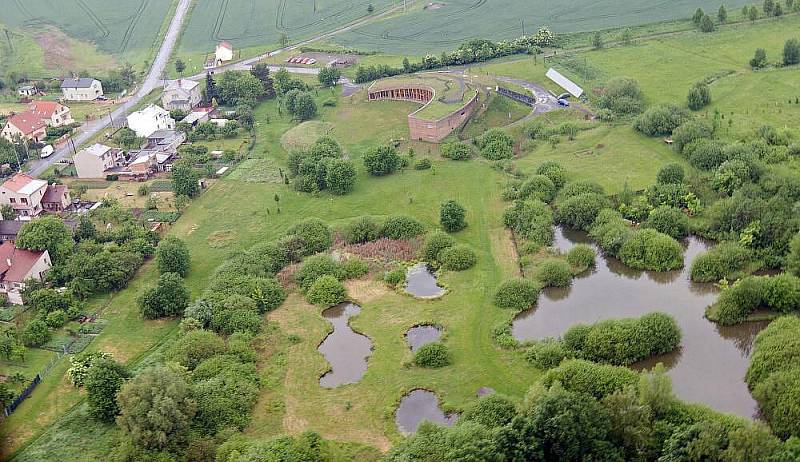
{"x":8,"y":262}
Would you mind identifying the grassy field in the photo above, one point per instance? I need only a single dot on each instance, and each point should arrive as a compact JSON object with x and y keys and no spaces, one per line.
{"x":41,"y":39}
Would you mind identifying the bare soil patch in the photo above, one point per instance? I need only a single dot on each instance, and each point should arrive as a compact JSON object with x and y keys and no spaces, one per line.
{"x":57,"y":52}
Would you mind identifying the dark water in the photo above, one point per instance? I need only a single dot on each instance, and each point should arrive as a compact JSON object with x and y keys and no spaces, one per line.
{"x":709,"y":366}
{"x":345,"y":349}
{"x":420,"y":282}
{"x":418,"y":406}
{"x":420,"y":335}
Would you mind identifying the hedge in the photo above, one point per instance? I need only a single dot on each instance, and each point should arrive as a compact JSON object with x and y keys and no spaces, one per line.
{"x":598,"y":380}
{"x":516,"y":294}
{"x":457,"y":258}
{"x":326,"y":291}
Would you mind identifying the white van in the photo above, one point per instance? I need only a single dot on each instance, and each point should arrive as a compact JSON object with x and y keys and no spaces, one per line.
{"x":47,"y":151}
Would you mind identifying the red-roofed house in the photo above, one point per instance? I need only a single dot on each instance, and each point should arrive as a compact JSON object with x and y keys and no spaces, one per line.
{"x":224,"y":52}
{"x":52,"y":113}
{"x":18,"y":266}
{"x":24,"y":194}
{"x":26,"y":125}
{"x":56,"y":198}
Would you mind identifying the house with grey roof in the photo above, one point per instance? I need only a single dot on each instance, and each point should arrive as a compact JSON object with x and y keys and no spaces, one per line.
{"x":181,"y":94}
{"x":81,"y":89}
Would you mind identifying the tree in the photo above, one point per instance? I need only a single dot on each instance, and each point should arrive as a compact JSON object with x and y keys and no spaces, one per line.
{"x":451,"y":216}
{"x":235,"y":88}
{"x":791,"y":52}
{"x":35,"y":333}
{"x":328,"y":76}
{"x":370,"y":8}
{"x":759,"y":60}
{"x":304,"y":107}
{"x":261,"y":72}
{"x":597,"y":41}
{"x":211,"y":89}
{"x":670,"y":174}
{"x":698,"y":16}
{"x":753,"y":15}
{"x":699,"y":96}
{"x":381,"y":160}
{"x":172,"y":256}
{"x":722,"y":14}
{"x":194,"y":347}
{"x":169,"y":297}
{"x":103,"y":381}
{"x":340,"y":176}
{"x":326,"y":291}
{"x":48,"y":233}
{"x":185,"y":179}
{"x":769,"y":6}
{"x":707,"y":24}
{"x":156,"y":408}
{"x":8,"y":212}
{"x":180,"y":66}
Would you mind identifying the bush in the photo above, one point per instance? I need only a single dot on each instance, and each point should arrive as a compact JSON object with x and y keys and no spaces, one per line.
{"x":517,"y":294}
{"x":432,"y":355}
{"x":539,"y":187}
{"x":554,"y":273}
{"x":547,"y":354}
{"x":491,"y":411}
{"x":622,"y":96}
{"x":496,"y":144}
{"x":706,"y":154}
{"x":782,"y":293}
{"x":381,"y":160}
{"x":577,"y":188}
{"x":340,"y":176}
{"x":435,"y":243}
{"x":457,"y":258}
{"x":35,"y":333}
{"x":650,"y":250}
{"x":579,"y":212}
{"x":307,"y":237}
{"x":401,"y":227}
{"x":598,"y":380}
{"x":668,"y":220}
{"x":554,"y":171}
{"x":172,"y":256}
{"x":690,"y":131}
{"x":363,"y":229}
{"x":736,"y":302}
{"x":451,"y":216}
{"x":313,"y":268}
{"x":195,"y":347}
{"x":353,"y":268}
{"x":395,"y":276}
{"x":326,"y":291}
{"x":699,"y":96}
{"x":56,"y":319}
{"x":793,"y":259}
{"x":726,"y":260}
{"x":661,"y":120}
{"x":610,"y":231}
{"x":168,"y":298}
{"x":779,"y":400}
{"x":456,"y":151}
{"x":581,"y":257}
{"x":532,"y":220}
{"x":422,"y":164}
{"x":670,"y":174}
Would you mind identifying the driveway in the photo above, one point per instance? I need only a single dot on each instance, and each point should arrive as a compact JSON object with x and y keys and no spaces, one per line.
{"x":90,"y":129}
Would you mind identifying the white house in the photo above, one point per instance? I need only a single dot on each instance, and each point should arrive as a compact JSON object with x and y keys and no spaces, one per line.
{"x":52,"y":114}
{"x":81,"y":89}
{"x":181,"y":94}
{"x":224,"y":52}
{"x":149,"y":120}
{"x":95,"y":160}
{"x":18,"y":266}
{"x":24,"y":194}
{"x":27,"y":90}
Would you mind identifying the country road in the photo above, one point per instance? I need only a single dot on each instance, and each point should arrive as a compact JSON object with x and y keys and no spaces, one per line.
{"x":90,"y":129}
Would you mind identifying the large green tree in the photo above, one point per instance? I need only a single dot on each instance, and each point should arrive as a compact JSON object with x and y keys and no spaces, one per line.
{"x":48,"y":233}
{"x":169,"y":297}
{"x":172,"y":256}
{"x":103,"y":381}
{"x":185,"y":179}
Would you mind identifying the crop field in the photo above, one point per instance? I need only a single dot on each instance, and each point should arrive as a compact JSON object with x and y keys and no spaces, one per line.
{"x":71,"y":34}
{"x":439,"y":26}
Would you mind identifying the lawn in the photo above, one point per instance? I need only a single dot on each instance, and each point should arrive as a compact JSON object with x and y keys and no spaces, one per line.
{"x":499,"y":111}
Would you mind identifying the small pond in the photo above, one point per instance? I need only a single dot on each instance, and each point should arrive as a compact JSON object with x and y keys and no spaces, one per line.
{"x":421,"y":282}
{"x":710,"y":365}
{"x":345,"y":349}
{"x":422,"y":334}
{"x":418,"y":406}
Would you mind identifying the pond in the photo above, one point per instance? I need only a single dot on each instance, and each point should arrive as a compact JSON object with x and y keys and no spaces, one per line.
{"x":345,"y":349}
{"x":422,"y":334}
{"x":710,"y":365}
{"x":421,"y":282}
{"x":418,"y":406}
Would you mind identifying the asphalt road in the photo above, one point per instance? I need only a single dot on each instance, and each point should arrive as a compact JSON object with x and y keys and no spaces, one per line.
{"x":90,"y":129}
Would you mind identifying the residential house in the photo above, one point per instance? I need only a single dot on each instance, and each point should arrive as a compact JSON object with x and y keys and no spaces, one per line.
{"x":56,"y":198}
{"x":27,"y":90}
{"x":9,"y":230}
{"x":25,"y":125}
{"x":181,"y":94}
{"x":199,"y":115}
{"x":17,"y":266}
{"x":81,"y":89}
{"x":157,"y":153}
{"x":52,"y":113}
{"x":149,"y":120}
{"x":94,"y":161}
{"x":24,"y":194}
{"x":224,"y":52}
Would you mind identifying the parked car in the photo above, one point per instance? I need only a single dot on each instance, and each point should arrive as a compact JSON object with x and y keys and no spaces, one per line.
{"x":563,"y":102}
{"x":47,"y":151}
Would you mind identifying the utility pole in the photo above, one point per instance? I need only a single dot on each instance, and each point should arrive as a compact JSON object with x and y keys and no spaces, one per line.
{"x":72,"y":143}
{"x":522,"y":20}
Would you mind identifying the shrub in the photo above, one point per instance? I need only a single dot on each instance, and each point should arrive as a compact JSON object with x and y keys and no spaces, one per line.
{"x":622,"y":96}
{"x":736,"y":302}
{"x":690,"y":131}
{"x":517,"y":294}
{"x":168,"y":298}
{"x":353,"y":268}
{"x":491,"y":411}
{"x":531,"y":219}
{"x":668,"y":220}
{"x":598,"y":380}
{"x":35,"y":333}
{"x":732,"y":174}
{"x":670,"y":174}
{"x":699,"y":96}
{"x":554,"y":171}
{"x":782,"y":293}
{"x":363,"y":229}
{"x":381,"y":160}
{"x":314,"y":267}
{"x":195,"y":347}
{"x":610,"y":231}
{"x":661,"y":120}
{"x":581,"y":257}
{"x":539,"y":187}
{"x":547,"y":354}
{"x":307,"y":237}
{"x":776,"y":348}
{"x":451,"y":216}
{"x":457,"y":258}
{"x":340,"y":176}
{"x":706,"y":154}
{"x":395,"y":276}
{"x":401,"y":227}
{"x":725,"y":260}
{"x":56,"y":319}
{"x":577,"y":188}
{"x":554,"y":273}
{"x":433,"y":355}
{"x":172,"y":256}
{"x":422,"y":164}
{"x":650,"y":250}
{"x":579,"y":212}
{"x":456,"y":151}
{"x":779,"y":400}
{"x":435,"y":243}
{"x":326,"y":291}
{"x":793,"y":259}
{"x":496,"y":144}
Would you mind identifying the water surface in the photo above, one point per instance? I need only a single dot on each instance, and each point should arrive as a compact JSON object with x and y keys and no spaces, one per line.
{"x":420,"y":282}
{"x":710,"y":365}
{"x":345,"y":349}
{"x":421,"y":335}
{"x":418,"y":406}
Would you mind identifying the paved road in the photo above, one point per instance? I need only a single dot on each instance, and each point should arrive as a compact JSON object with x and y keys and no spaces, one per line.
{"x":90,"y":129}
